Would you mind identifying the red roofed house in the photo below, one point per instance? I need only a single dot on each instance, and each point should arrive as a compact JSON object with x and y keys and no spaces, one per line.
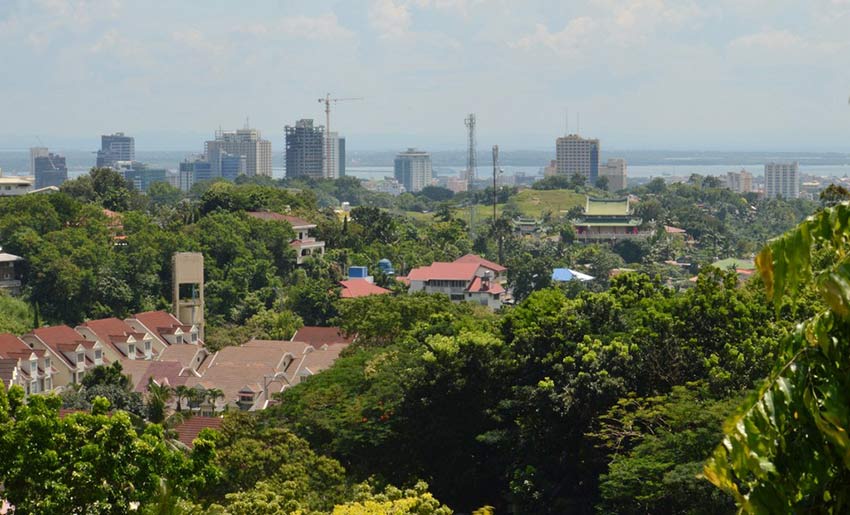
{"x":191,"y":427}
{"x":19,"y":364}
{"x":464,"y":281}
{"x":304,"y":245}
{"x":74,"y":354}
{"x":316,"y":336}
{"x":120,"y":340}
{"x":499,"y":272}
{"x":165,"y":328}
{"x":353,"y":288}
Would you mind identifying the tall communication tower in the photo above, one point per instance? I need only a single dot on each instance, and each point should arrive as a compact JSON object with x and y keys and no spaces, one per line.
{"x":469,"y":174}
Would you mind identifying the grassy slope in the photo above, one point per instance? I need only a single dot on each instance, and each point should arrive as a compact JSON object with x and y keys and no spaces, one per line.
{"x":532,"y":203}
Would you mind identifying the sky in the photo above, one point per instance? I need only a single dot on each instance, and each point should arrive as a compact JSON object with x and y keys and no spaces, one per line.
{"x":641,"y":74}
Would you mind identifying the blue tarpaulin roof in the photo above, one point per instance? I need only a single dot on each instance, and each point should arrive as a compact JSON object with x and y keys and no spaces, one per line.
{"x":565,"y":274}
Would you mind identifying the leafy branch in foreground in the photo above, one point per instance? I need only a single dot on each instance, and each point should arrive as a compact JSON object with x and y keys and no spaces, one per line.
{"x":788,"y":449}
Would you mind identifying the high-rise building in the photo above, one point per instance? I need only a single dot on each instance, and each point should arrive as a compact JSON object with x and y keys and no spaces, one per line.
{"x":141,"y":177}
{"x":782,"y":180}
{"x":340,"y":144}
{"x":305,"y":150}
{"x":243,"y":142}
{"x":739,"y":182}
{"x":233,"y":165}
{"x":115,"y":147}
{"x":36,"y":152}
{"x":335,"y":164}
{"x":413,"y":169}
{"x":49,"y":170}
{"x":194,"y":169}
{"x":616,"y":172}
{"x":577,"y":155}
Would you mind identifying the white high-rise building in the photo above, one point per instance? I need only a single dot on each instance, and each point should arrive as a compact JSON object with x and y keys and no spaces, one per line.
{"x":616,"y":172}
{"x":578,"y":156}
{"x":782,"y":180}
{"x":413,"y":169}
{"x":336,"y":146}
{"x":243,"y":142}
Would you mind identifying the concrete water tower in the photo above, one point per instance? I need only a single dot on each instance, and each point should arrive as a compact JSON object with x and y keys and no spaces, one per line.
{"x":187,"y":281}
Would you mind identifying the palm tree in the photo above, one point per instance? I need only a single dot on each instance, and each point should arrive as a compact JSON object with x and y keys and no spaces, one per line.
{"x":158,"y":398}
{"x":182,"y":392}
{"x":213,"y":394}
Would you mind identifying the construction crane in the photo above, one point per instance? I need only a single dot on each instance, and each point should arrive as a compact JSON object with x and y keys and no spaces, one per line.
{"x":327,"y":101}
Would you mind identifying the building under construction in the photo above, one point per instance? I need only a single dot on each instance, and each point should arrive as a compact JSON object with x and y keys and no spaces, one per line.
{"x":305,"y":150}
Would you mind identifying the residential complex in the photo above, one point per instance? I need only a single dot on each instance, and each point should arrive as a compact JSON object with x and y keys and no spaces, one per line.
{"x":413,"y":169}
{"x":49,"y":169}
{"x":10,"y":277}
{"x":115,"y":147}
{"x":739,"y":182}
{"x":245,"y":142}
{"x":616,"y":172}
{"x":782,"y":180}
{"x":305,"y":150}
{"x":577,"y":156}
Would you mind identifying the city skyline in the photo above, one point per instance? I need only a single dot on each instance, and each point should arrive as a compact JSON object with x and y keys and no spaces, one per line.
{"x":652,"y":74}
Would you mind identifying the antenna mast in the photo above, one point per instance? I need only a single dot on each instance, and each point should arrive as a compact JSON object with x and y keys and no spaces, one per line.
{"x":471,"y":157}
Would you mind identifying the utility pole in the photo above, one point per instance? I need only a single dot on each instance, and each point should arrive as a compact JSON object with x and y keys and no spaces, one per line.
{"x":495,"y":167}
{"x":327,"y":101}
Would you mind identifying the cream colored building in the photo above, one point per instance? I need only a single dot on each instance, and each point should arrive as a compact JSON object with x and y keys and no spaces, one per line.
{"x":616,"y":172}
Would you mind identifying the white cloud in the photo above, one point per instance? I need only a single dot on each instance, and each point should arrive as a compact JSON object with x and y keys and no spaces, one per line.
{"x":325,"y":27}
{"x":769,"y":40}
{"x":389,"y":18}
{"x":578,"y":33}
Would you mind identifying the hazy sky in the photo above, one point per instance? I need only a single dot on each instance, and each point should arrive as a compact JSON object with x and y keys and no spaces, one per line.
{"x":644,"y":74}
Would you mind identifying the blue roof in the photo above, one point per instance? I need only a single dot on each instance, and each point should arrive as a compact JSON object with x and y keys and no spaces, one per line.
{"x":562,"y":275}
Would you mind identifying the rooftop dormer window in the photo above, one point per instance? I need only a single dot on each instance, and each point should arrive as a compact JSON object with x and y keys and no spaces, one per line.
{"x":98,"y":357}
{"x":47,"y":365}
{"x":33,"y":367}
{"x":194,"y":336}
{"x":131,"y":350}
{"x":81,"y":358}
{"x":147,"y":348}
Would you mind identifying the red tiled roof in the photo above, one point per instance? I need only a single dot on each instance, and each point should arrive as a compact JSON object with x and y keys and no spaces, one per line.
{"x":444,"y":272}
{"x":353,"y":288}
{"x":57,"y":334}
{"x":316,"y":336}
{"x":154,"y":320}
{"x":9,"y":343}
{"x":477,"y":286}
{"x":161,"y":372}
{"x":192,"y":427}
{"x":472,"y":258}
{"x":109,"y":329}
{"x":294,"y":221}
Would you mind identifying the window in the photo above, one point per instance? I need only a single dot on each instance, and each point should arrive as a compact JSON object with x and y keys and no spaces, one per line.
{"x":47,"y":365}
{"x":98,"y":356}
{"x":33,"y":388}
{"x":81,"y":358}
{"x":33,"y":367}
{"x":194,"y":336}
{"x":48,"y":383}
{"x":147,"y":346}
{"x":131,"y":350}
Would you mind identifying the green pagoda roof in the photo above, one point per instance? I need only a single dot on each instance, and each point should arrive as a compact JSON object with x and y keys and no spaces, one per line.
{"x":607,"y":207}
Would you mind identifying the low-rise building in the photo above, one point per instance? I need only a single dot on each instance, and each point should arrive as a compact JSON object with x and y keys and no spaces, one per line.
{"x":10,"y":277}
{"x":12,"y":186}
{"x":304,"y":244}
{"x":30,"y":369}
{"x":461,"y":281}
{"x":75,"y":355}
{"x":353,"y":288}
{"x":120,"y":340}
